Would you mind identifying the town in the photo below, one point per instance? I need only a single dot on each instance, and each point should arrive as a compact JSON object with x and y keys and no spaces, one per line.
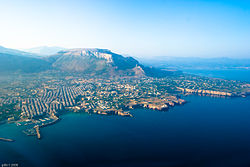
{"x":41,"y":99}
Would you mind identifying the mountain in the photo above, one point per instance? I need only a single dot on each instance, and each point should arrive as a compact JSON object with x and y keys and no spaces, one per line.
{"x":84,"y":61}
{"x":44,"y":50}
{"x":14,"y":63}
{"x":16,"y":52}
{"x":100,"y":61}
{"x":92,"y":61}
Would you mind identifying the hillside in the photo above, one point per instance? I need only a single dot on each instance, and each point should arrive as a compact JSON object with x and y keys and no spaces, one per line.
{"x":96,"y":61}
{"x":101,"y":61}
{"x":16,"y":52}
{"x":84,"y":61}
{"x":13,"y":63}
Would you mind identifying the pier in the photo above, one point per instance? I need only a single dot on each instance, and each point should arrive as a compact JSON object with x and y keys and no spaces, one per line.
{"x":37,"y":131}
{"x":4,"y":139}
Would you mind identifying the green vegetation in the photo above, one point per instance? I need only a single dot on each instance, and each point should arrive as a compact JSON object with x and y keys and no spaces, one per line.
{"x":9,"y":111}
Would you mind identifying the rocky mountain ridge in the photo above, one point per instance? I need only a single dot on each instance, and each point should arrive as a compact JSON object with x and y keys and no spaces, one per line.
{"x":92,"y":61}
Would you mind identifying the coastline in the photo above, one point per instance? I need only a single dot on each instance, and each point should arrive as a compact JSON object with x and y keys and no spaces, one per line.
{"x":35,"y":130}
{"x":91,"y":135}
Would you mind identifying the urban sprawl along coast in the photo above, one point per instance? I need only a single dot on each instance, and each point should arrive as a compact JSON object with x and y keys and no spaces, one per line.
{"x":37,"y":101}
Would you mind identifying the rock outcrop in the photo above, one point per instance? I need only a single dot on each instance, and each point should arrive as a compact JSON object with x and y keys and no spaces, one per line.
{"x":208,"y":92}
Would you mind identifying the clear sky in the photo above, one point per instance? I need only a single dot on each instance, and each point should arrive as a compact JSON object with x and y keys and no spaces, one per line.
{"x":204,"y":28}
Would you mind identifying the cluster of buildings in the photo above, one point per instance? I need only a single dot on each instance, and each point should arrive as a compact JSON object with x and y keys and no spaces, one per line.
{"x":212,"y":87}
{"x":113,"y":96}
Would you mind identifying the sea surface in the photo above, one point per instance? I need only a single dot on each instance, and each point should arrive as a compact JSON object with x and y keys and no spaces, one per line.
{"x":207,"y":131}
{"x":233,"y":74}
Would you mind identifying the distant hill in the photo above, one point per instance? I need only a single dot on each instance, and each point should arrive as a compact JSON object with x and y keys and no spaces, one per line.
{"x":16,"y":52}
{"x":44,"y":50}
{"x":13,"y":63}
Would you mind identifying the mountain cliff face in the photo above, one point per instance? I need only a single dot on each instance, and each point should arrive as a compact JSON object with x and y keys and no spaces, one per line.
{"x":95,"y":61}
{"x":83,"y":61}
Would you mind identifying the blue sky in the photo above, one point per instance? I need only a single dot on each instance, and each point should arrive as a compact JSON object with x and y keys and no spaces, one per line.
{"x":138,"y":28}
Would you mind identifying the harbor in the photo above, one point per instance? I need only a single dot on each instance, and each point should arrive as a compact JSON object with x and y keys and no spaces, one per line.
{"x":32,"y":126}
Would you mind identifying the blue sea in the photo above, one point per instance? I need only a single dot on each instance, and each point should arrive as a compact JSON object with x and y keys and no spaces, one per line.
{"x":231,"y":74}
{"x":207,"y":131}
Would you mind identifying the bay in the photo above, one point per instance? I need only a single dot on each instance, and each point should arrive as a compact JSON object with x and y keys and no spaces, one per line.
{"x":207,"y":131}
{"x":204,"y":132}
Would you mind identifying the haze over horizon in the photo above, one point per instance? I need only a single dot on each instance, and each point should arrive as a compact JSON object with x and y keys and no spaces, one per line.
{"x":197,"y":28}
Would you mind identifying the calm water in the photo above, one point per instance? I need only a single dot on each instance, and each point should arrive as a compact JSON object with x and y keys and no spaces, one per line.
{"x":234,"y":74}
{"x":204,"y":132}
